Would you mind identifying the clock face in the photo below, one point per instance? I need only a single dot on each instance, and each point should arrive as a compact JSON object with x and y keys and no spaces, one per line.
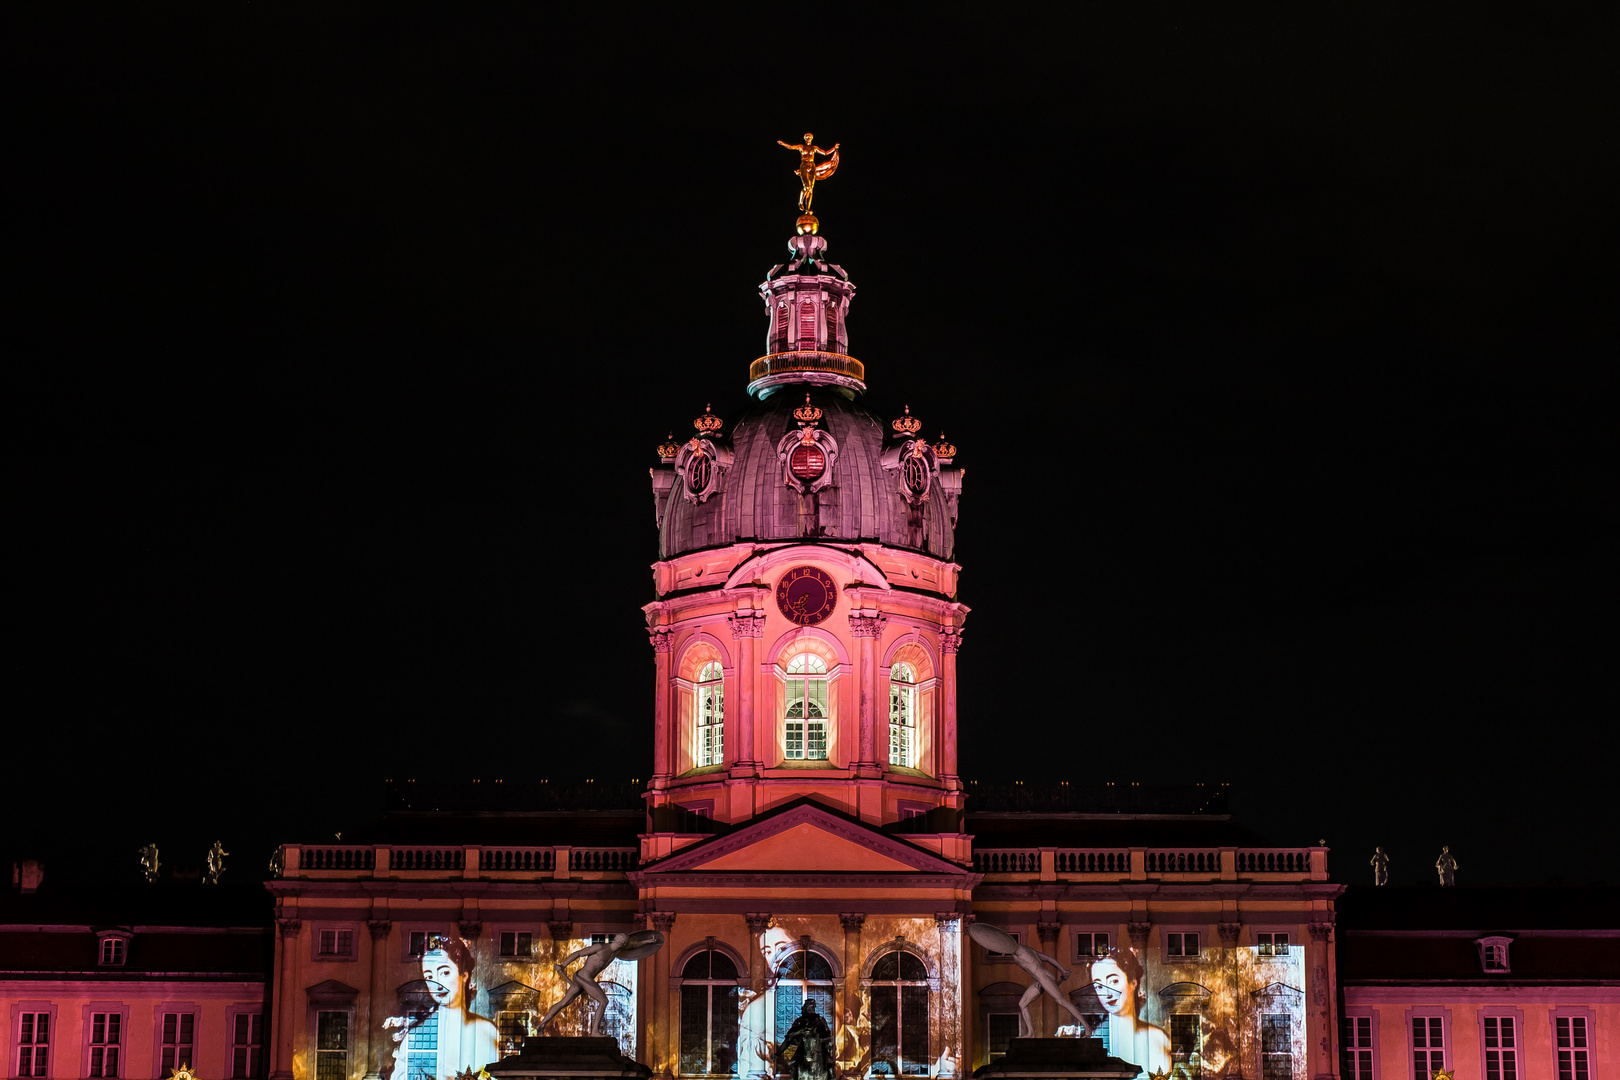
{"x":806,"y":595}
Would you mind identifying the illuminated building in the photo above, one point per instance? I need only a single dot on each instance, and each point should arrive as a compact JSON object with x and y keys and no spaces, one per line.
{"x":806,"y":834}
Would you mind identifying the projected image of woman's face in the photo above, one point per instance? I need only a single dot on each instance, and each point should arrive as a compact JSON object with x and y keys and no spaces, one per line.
{"x":443,"y":978}
{"x":1111,"y":985}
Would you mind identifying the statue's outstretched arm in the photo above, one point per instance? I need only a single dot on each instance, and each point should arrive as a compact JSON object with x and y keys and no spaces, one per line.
{"x":789,"y":145}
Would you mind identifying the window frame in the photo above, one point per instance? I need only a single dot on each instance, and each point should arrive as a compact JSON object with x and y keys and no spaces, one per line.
{"x":1500,"y":1013}
{"x":1289,"y":945}
{"x":175,"y":1008}
{"x":1372,"y":1017}
{"x":806,"y":678}
{"x":337,"y":929}
{"x":681,"y":982}
{"x":315,"y":1011}
{"x":1486,"y":945}
{"x":52,"y":1043}
{"x":1574,"y":1012}
{"x":87,"y":1031}
{"x":248,"y":1009}
{"x":515,"y":957}
{"x":1201,"y":935}
{"x":1089,"y":933}
{"x":122,"y":938}
{"x":709,"y":690}
{"x":929,"y":984}
{"x":903,"y":735}
{"x":1447,"y":1047}
{"x":427,"y":930}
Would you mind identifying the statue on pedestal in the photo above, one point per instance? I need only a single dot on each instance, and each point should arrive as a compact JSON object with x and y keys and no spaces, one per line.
{"x":808,"y":1048}
{"x":998,"y":940}
{"x":216,"y":863}
{"x":1380,"y":865}
{"x":597,"y":958}
{"x":1447,"y":865}
{"x":149,"y":862}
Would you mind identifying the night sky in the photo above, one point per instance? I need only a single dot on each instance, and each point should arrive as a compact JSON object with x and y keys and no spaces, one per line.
{"x":1277,"y":347}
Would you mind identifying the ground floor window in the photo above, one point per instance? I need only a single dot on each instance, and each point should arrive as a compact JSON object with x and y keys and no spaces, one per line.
{"x":709,"y":998}
{"x":332,"y":1047}
{"x":899,"y":1011}
{"x":1276,"y":1048}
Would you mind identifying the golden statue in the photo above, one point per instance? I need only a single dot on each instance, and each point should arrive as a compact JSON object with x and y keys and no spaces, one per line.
{"x":809,"y":170}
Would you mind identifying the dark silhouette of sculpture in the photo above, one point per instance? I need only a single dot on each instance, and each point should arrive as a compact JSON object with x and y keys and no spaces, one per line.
{"x":1447,"y":865}
{"x":1380,"y":865}
{"x":808,"y":1049}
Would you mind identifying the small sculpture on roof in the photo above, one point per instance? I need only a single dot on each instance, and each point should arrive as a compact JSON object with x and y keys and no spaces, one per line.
{"x":216,"y":863}
{"x":1380,"y":865}
{"x":1447,"y":865}
{"x":149,"y":862}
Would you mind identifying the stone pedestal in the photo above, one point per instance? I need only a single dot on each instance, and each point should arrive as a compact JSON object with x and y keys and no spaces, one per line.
{"x":559,"y":1056}
{"x":1052,"y":1059}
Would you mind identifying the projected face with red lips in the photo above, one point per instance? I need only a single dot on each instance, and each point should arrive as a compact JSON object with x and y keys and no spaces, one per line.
{"x":445,"y":981}
{"x":1114,"y":989}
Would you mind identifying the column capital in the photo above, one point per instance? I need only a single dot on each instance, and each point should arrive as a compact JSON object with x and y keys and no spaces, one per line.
{"x":1139,"y":932}
{"x":289,"y":927}
{"x":1048,"y":931}
{"x":561,"y":929}
{"x":867,"y":626}
{"x":747,"y":624}
{"x":1229,"y":932}
{"x":1321,"y":931}
{"x":852,"y":921}
{"x":471,"y":931}
{"x":950,"y":639}
{"x":380,"y":929}
{"x":758,"y":921}
{"x":662,"y":921}
{"x":661,"y":637}
{"x":948,"y":920}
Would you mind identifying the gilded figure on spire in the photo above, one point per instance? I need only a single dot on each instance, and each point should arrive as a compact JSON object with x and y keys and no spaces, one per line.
{"x":809,"y":169}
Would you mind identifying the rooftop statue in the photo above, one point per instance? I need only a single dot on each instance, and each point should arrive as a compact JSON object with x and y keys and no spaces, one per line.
{"x":809,"y":169}
{"x":1380,"y":865}
{"x":1447,"y":865}
{"x":216,"y":863}
{"x":597,"y":957}
{"x":998,"y":940}
{"x":149,"y":862}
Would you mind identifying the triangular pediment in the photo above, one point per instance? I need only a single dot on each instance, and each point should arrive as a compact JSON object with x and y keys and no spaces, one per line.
{"x":804,"y":839}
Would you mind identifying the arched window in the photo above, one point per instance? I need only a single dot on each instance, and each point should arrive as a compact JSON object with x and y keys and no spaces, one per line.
{"x":899,"y":1011}
{"x":807,"y":325}
{"x":711,"y":716}
{"x":805,"y":734}
{"x":803,"y":975}
{"x":709,"y":1015}
{"x":902,"y":715}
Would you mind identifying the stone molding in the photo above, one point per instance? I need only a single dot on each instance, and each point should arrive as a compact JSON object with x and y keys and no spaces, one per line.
{"x":747,"y":625}
{"x":867,"y":626}
{"x":1139,"y":932}
{"x":561,"y":929}
{"x":662,"y":638}
{"x":662,"y":921}
{"x":852,"y":921}
{"x":289,"y":927}
{"x":760,"y":921}
{"x":380,"y":929}
{"x":950,"y":639}
{"x":1321,"y":931}
{"x":1229,"y":932}
{"x":948,"y":920}
{"x":471,"y":931}
{"x":1048,"y":931}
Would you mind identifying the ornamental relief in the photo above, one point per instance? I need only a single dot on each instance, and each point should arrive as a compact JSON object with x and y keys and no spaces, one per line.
{"x":698,"y":468}
{"x":807,"y":457}
{"x":916,"y":468}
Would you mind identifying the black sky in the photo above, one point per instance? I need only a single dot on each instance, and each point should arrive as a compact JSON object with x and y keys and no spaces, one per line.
{"x":1277,"y":345}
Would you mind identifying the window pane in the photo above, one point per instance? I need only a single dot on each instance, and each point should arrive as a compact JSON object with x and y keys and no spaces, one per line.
{"x":914,"y":1029}
{"x":694,"y":1026}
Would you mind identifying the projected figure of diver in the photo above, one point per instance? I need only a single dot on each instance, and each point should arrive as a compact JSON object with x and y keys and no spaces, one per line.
{"x":1116,"y":979}
{"x":627,"y":947}
{"x":998,"y":940}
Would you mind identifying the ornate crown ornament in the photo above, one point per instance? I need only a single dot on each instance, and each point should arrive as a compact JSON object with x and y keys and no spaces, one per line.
{"x":807,"y":413}
{"x":708,"y":423}
{"x":944,"y":449}
{"x":669,"y":447}
{"x":907,"y":426}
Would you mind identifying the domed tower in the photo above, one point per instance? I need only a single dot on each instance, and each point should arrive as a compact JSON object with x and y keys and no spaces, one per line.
{"x":807,"y":619}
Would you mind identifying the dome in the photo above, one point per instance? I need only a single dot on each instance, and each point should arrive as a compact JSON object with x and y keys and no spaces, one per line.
{"x":865,"y":491}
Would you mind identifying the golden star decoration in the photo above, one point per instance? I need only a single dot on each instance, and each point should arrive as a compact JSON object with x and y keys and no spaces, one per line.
{"x":183,"y":1072}
{"x":1159,"y":1075}
{"x":469,"y":1074}
{"x":1441,"y":1074}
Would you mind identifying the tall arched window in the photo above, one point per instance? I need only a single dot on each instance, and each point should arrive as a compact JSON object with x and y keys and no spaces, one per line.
{"x":711,"y":716}
{"x":805,"y":734}
{"x":801,"y":975}
{"x":709,"y":1015}
{"x":902,"y":715}
{"x":899,"y":1012}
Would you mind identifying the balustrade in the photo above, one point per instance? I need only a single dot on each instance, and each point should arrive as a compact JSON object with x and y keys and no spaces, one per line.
{"x":1183,"y":861}
{"x":1007,"y":861}
{"x":1094,"y":861}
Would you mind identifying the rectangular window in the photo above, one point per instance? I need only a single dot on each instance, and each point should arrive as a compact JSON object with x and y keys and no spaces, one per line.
{"x":177,"y":1042}
{"x":514,"y":1028}
{"x":1356,"y":1048}
{"x":34,"y":1044}
{"x":1428,"y":1046}
{"x":1501,"y":1049}
{"x":1271,"y":943}
{"x":1003,"y":1030}
{"x":418,"y":942}
{"x":332,"y":1045}
{"x":112,"y":950}
{"x":105,"y":1041}
{"x":247,"y":1046}
{"x":519,"y":943}
{"x":337,"y":943}
{"x":1088,"y":944}
{"x":1276,"y":1048}
{"x":1570,"y":1033}
{"x":1181,"y":944}
{"x":422,"y":1049}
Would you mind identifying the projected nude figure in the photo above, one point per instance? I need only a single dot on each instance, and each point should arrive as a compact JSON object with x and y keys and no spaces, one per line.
{"x":449,"y":1038}
{"x":582,"y":983}
{"x":1447,"y":865}
{"x":1116,"y":979}
{"x":755,"y":1053}
{"x":999,"y":941}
